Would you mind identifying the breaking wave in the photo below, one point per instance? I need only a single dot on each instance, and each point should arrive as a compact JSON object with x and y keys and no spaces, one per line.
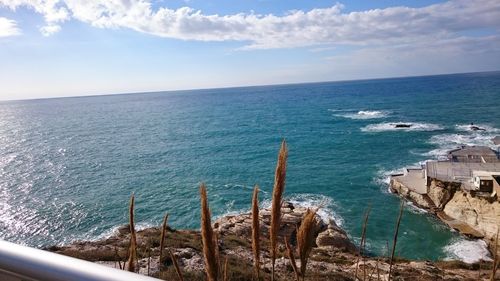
{"x":365,"y":114}
{"x":393,"y":126}
{"x":468,"y":251}
{"x":446,"y":142}
{"x":325,"y":204}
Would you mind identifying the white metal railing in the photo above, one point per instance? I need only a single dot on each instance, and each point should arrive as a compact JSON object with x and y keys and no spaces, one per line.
{"x":29,"y":264}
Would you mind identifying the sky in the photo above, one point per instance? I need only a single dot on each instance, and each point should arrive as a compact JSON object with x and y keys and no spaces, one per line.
{"x":52,"y":48}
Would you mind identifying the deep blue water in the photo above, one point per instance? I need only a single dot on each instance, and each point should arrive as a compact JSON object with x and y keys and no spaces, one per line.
{"x":69,"y":165}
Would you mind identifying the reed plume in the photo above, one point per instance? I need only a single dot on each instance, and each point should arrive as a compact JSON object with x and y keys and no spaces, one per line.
{"x":256,"y":231}
{"x":291,"y":257}
{"x":132,"y":257}
{"x":162,"y":238}
{"x":176,"y":265}
{"x":495,"y":259}
{"x":278,"y":189}
{"x":207,"y":235}
{"x":306,"y":238}
{"x":395,"y":237}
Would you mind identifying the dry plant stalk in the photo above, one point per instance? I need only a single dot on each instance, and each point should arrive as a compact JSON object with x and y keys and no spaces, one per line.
{"x":362,"y":244}
{"x":162,"y":238}
{"x":217,"y":253}
{"x":291,"y":257}
{"x":176,"y":265}
{"x":207,"y":235}
{"x":256,"y":231}
{"x":132,"y":257}
{"x":278,"y":189}
{"x":495,"y":259}
{"x":225,"y":271}
{"x":395,"y":238}
{"x":305,"y":239}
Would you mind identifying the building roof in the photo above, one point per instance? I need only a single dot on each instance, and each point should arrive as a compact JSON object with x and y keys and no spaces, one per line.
{"x":472,"y":151}
{"x":496,"y":140}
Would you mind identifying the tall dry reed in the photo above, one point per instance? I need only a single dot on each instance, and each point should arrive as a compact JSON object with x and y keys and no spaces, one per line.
{"x":362,"y":243}
{"x":278,"y":190}
{"x":207,"y":235}
{"x":226,"y":273}
{"x":162,"y":237}
{"x":176,"y":265}
{"x":305,"y":239}
{"x":256,"y":232}
{"x":395,"y":240}
{"x":495,"y":259}
{"x":132,"y":257}
{"x":291,"y":257}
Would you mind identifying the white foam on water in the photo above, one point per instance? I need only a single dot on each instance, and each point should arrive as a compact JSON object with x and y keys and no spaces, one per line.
{"x":383,"y":178}
{"x":468,"y":128}
{"x":468,"y":251}
{"x":365,"y":114}
{"x":414,"y":209}
{"x":447,"y":142}
{"x":391,"y":126}
{"x":325,"y":204}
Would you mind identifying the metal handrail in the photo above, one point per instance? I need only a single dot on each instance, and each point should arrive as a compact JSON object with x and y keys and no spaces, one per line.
{"x":25,"y":263}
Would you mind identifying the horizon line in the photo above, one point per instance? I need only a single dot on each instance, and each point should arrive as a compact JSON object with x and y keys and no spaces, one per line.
{"x":243,"y":86}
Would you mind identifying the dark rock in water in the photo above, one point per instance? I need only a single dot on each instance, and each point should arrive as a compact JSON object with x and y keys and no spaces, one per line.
{"x":402,"y":126}
{"x":476,"y":128}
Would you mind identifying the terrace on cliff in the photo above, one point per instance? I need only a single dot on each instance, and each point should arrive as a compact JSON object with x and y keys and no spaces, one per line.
{"x":461,"y":190}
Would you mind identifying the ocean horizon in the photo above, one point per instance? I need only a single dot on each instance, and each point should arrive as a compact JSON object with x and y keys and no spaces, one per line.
{"x":69,"y":165}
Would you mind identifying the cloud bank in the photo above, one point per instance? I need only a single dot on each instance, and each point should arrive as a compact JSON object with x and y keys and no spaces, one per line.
{"x":317,"y":27}
{"x":8,"y":27}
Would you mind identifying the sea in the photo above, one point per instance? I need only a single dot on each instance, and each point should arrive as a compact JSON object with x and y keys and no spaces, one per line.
{"x":68,"y":166}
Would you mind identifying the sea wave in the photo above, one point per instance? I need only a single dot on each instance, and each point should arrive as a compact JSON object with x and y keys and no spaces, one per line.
{"x":466,"y":250}
{"x":447,"y":142}
{"x":325,"y":204}
{"x":391,"y":126}
{"x":468,"y":128}
{"x":365,"y":114}
{"x":383,"y":178}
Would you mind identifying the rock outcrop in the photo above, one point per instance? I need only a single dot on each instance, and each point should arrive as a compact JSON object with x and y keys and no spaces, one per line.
{"x":470,"y":214}
{"x":333,"y":257}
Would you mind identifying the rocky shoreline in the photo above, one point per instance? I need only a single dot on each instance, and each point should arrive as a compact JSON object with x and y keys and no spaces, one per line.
{"x":471,"y":215}
{"x":334,"y":256}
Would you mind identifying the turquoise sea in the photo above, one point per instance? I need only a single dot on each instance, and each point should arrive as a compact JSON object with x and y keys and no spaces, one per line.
{"x":68,"y":166}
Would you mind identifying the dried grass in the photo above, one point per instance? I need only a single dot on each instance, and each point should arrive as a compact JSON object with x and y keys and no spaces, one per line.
{"x":176,"y":265}
{"x":395,"y":240}
{"x":132,"y":257}
{"x":162,"y":238}
{"x":362,"y":243}
{"x":305,"y":239}
{"x":278,"y":190}
{"x":291,"y":257}
{"x":207,"y":234}
{"x":495,"y":259}
{"x":256,"y":232}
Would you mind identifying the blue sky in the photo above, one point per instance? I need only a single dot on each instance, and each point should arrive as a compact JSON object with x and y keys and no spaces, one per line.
{"x":77,"y":47}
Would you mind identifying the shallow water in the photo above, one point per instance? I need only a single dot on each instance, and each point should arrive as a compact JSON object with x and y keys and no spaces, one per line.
{"x":68,"y":166}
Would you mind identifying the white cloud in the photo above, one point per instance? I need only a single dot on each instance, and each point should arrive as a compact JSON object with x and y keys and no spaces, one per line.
{"x":317,"y":27}
{"x":8,"y":28}
{"x":48,"y":30}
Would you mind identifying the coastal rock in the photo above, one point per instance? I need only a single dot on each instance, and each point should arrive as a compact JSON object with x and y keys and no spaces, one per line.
{"x":479,"y":213}
{"x":421,"y":200}
{"x":335,"y":237}
{"x":328,"y":233}
{"x":440,"y":193}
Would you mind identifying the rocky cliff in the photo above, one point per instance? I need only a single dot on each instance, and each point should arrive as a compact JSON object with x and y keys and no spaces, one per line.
{"x":334,"y":256}
{"x":470,"y":214}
